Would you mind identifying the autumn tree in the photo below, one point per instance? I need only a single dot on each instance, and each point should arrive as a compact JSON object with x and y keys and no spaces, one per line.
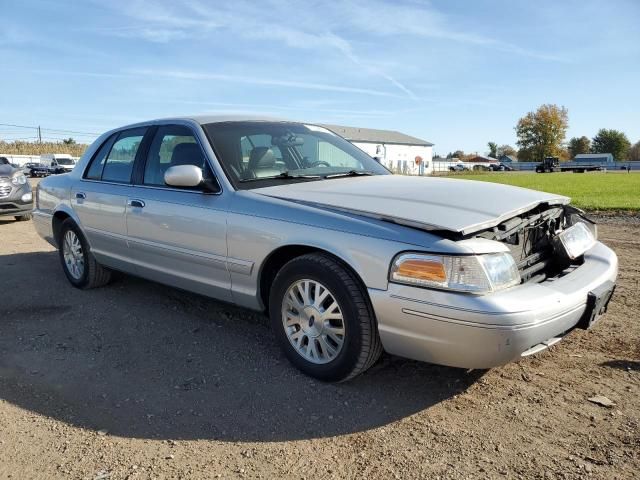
{"x":506,"y":150}
{"x":634,"y":152}
{"x":611,"y":141}
{"x":493,"y":149}
{"x":578,"y":145}
{"x":541,"y":133}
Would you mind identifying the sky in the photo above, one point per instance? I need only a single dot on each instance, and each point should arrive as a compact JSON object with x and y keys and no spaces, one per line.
{"x":456,"y":73}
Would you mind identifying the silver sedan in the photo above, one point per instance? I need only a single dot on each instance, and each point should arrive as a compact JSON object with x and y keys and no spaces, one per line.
{"x":347,"y":259}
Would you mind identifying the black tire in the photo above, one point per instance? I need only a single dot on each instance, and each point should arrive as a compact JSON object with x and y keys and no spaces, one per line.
{"x":362,"y":346}
{"x":24,"y":218}
{"x":94,"y":275}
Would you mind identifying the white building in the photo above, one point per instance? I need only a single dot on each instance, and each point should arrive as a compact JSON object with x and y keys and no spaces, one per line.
{"x":398,"y":152}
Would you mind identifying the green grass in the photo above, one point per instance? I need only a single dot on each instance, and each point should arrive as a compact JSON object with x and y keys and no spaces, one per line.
{"x":590,"y":191}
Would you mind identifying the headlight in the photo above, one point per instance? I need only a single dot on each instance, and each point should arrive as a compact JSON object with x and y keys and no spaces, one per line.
{"x":19,"y":179}
{"x":574,"y":241}
{"x":469,"y":273}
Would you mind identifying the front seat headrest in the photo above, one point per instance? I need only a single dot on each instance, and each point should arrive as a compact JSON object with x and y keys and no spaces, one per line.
{"x":261,"y":157}
{"x":187,"y":154}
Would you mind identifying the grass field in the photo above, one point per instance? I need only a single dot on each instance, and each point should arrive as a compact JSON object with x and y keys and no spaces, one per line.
{"x":590,"y":191}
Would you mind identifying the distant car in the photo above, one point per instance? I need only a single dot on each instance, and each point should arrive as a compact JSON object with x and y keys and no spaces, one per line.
{"x":458,"y":168}
{"x":38,"y":170}
{"x":500,"y":167}
{"x":26,"y":168}
{"x":16,"y":198}
{"x":347,"y":259}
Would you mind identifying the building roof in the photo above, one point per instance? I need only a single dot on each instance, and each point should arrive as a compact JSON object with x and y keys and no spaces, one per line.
{"x":481,"y":158}
{"x":372,"y":135}
{"x":508,"y":158}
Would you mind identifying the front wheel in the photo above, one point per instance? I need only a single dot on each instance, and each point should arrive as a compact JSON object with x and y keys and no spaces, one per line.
{"x":323,"y":319}
{"x":79,"y":265}
{"x":23,"y":218}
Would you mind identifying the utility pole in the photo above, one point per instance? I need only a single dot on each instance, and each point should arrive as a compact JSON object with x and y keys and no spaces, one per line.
{"x":39,"y":135}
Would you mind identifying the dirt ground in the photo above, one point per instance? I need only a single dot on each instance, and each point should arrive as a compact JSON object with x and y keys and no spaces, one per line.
{"x":136,"y":380}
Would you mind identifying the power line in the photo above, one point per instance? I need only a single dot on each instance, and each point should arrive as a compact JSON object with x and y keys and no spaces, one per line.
{"x":17,"y":138}
{"x":52,"y":130}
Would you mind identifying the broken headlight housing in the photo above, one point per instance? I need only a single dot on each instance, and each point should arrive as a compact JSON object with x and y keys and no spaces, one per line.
{"x":574,"y":241}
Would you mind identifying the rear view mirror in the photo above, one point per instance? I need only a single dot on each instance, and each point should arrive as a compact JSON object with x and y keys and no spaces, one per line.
{"x":183,"y":176}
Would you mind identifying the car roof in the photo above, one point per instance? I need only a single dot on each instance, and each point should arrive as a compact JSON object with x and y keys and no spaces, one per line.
{"x":203,"y":120}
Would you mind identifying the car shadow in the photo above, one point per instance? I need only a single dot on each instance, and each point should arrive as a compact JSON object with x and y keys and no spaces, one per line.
{"x":626,"y":365}
{"x":143,"y":360}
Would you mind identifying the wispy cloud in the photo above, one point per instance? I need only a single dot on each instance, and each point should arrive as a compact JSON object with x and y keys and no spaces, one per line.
{"x":261,"y":107}
{"x":421,"y":20}
{"x":190,"y":75}
{"x":163,"y":24}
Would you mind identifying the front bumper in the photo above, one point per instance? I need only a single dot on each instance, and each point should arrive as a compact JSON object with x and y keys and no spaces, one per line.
{"x":469,"y":331}
{"x":11,"y":204}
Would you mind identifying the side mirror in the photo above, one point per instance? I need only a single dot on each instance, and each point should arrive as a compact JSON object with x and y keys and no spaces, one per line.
{"x":183,"y":176}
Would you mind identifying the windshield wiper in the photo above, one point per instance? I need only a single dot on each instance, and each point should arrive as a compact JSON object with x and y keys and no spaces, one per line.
{"x":350,"y":173}
{"x":284,"y":175}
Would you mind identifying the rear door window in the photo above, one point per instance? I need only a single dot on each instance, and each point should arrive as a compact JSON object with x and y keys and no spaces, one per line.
{"x":94,"y":172}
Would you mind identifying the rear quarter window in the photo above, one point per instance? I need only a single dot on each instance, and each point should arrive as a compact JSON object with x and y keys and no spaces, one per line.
{"x":117,"y":164}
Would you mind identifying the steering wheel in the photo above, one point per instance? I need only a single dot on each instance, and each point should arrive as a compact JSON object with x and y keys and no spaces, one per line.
{"x":319,"y":163}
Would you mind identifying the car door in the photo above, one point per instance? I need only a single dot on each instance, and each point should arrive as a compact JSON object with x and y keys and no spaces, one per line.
{"x":100,"y":198}
{"x":177,"y":236}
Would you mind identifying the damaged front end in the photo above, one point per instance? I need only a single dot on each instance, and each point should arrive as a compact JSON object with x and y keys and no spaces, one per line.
{"x":533,"y":240}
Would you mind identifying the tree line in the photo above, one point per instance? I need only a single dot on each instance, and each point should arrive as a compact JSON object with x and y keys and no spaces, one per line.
{"x":20,"y":147}
{"x":542,"y":133}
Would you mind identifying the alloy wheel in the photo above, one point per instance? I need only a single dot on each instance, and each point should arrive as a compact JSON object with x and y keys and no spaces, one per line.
{"x":313,"y":321}
{"x":73,"y":254}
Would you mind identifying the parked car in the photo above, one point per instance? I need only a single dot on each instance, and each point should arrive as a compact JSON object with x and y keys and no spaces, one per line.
{"x":347,"y":259}
{"x":26,"y":168}
{"x":458,"y":168}
{"x":38,"y":170}
{"x":501,"y":167}
{"x":16,"y":198}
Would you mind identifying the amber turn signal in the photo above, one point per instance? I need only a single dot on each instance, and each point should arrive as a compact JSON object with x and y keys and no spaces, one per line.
{"x":431,"y":270}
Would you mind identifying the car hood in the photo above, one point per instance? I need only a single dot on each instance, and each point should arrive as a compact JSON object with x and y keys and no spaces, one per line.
{"x":460,"y":206}
{"x":7,"y":170}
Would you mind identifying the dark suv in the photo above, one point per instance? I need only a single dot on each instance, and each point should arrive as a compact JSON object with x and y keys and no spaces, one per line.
{"x":16,"y":198}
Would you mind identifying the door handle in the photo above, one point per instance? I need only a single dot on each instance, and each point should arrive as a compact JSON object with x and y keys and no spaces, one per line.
{"x":136,"y":203}
{"x":81,"y":195}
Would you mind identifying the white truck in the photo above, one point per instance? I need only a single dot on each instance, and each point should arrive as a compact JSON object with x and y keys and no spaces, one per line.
{"x":58,"y":162}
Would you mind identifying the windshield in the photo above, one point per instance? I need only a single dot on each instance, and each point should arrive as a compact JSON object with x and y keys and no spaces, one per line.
{"x":256,"y":154}
{"x":64,"y":161}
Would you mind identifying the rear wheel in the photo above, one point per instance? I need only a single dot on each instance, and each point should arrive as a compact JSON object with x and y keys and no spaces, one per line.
{"x":322,"y":318}
{"x":79,"y":264}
